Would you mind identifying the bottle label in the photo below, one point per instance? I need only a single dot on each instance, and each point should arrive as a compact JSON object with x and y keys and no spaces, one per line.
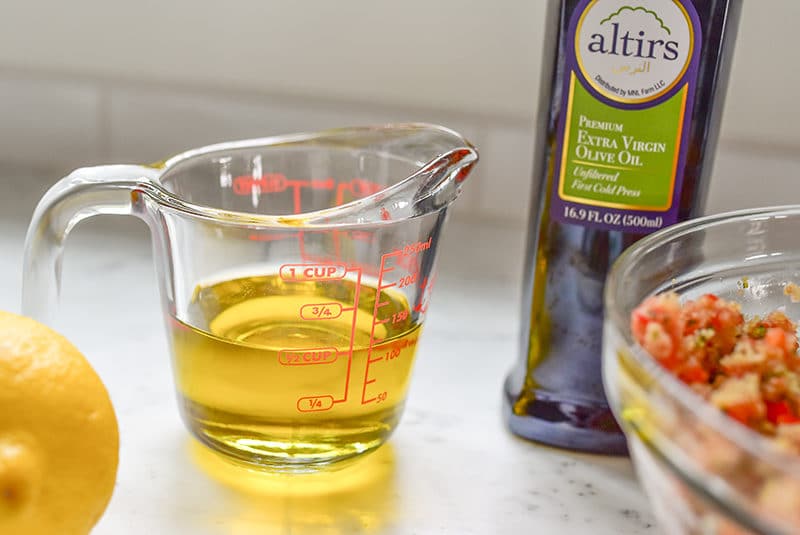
{"x":629,"y":82}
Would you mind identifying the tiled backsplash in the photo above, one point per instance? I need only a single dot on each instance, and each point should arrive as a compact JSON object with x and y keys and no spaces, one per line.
{"x":55,"y":123}
{"x":93,"y":87}
{"x":59,"y":124}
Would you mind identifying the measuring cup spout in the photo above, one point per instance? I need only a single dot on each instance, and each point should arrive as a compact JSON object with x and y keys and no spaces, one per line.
{"x":439,"y":182}
{"x":435,"y":183}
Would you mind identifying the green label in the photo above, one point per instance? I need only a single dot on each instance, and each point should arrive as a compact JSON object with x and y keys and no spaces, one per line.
{"x":628,"y":91}
{"x":620,"y":158}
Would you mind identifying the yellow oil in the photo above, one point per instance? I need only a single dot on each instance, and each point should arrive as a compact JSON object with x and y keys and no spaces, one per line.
{"x":290,"y":374}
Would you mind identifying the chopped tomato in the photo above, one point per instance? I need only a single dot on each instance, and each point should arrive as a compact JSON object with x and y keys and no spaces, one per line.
{"x":750,"y":370}
{"x":745,"y":413}
{"x":780,"y":412}
{"x":693,"y":373}
{"x":775,"y":337}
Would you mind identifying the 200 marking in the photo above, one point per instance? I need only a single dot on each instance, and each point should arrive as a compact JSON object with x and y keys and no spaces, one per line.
{"x":408,"y":281}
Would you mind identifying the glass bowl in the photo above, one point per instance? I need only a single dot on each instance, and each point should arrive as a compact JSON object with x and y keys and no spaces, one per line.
{"x":703,"y":472}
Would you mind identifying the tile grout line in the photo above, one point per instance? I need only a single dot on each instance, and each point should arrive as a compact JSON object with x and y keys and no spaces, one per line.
{"x":253,"y":95}
{"x":104,"y":123}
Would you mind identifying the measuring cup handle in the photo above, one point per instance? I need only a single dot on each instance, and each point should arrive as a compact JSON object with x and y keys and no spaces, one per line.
{"x":110,"y":189}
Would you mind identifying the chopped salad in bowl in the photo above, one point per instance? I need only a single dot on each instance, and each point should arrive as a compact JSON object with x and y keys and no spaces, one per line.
{"x":702,"y":369}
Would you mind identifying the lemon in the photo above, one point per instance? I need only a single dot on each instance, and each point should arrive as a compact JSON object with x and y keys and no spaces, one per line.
{"x":59,"y":442}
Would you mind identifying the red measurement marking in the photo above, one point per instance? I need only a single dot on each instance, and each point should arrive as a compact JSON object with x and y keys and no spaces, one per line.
{"x":409,"y":254}
{"x":380,"y":398}
{"x":402,"y":344}
{"x":408,"y":280}
{"x":337,"y":244}
{"x":298,"y":208}
{"x":314,"y":403}
{"x":358,"y":188}
{"x":307,"y":357}
{"x":364,"y":188}
{"x":326,"y":183}
{"x":381,"y":304}
{"x":398,"y":317}
{"x":420,"y":246}
{"x":385,"y":214}
{"x":393,"y":353}
{"x":425,"y":294}
{"x":371,"y":359}
{"x":277,"y":183}
{"x":301,"y":244}
{"x":271,"y":237}
{"x":309,"y":259}
{"x":321,"y":311}
{"x":267,"y":183}
{"x":352,"y":335}
{"x":312,"y":272}
{"x":361,"y":235}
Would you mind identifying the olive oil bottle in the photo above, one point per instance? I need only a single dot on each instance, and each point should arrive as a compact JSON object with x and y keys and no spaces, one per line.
{"x":630,"y":106}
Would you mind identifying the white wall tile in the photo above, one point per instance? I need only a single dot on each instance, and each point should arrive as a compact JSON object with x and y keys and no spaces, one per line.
{"x":148,"y":125}
{"x":454,"y":54}
{"x":761,"y":105}
{"x":465,"y":56}
{"x":505,"y":190}
{"x":152,"y":123}
{"x":747,"y":179}
{"x":45,"y":121}
{"x":55,"y":122}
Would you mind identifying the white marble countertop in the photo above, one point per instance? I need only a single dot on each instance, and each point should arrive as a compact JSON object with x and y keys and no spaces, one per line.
{"x":451,"y":467}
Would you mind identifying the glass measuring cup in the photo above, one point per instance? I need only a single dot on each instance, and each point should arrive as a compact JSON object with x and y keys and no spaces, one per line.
{"x":294,"y":271}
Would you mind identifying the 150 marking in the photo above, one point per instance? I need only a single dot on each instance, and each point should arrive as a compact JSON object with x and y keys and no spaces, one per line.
{"x":399,"y":317}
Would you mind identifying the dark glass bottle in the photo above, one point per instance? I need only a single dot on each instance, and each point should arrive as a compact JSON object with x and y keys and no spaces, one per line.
{"x":615,"y":73}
